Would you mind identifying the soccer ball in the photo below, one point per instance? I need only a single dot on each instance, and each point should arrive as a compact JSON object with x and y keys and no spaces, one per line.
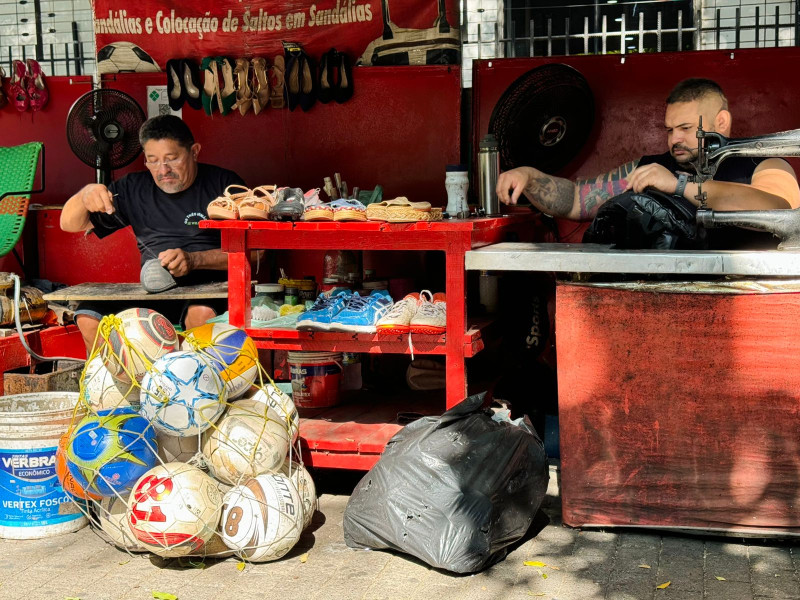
{"x":263,"y":518}
{"x":112,"y":518}
{"x":109,"y":451}
{"x":214,"y":547}
{"x":146,"y":335}
{"x":304,"y":484}
{"x":174,"y":448}
{"x":65,"y":478}
{"x":182,"y":394}
{"x":174,"y":509}
{"x":100,"y":390}
{"x":282,"y":404}
{"x":249,"y":440}
{"x":125,"y":57}
{"x":231,"y":351}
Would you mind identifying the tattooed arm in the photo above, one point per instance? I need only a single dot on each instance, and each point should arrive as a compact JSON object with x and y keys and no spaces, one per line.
{"x":561,"y":197}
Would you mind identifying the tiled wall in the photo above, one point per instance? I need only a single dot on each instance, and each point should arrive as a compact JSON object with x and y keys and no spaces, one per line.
{"x":747,"y":12}
{"x":18,"y":33}
{"x":484,"y":14}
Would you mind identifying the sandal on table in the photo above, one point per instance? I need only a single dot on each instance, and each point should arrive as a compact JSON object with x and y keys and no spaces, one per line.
{"x":225,"y":208}
{"x":257,"y":205}
{"x":348,"y":210}
{"x":319,"y":212}
{"x":401,"y":210}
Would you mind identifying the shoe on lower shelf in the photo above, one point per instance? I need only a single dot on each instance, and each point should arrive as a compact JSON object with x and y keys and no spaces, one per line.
{"x":325,"y":308}
{"x":362,"y":312}
{"x":431,"y":316}
{"x":397,"y":320}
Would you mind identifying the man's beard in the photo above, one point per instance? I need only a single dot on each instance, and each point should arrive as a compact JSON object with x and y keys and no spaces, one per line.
{"x":170,"y":185}
{"x":691,"y":154}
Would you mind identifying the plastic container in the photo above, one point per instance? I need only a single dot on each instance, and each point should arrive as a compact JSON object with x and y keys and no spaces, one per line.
{"x":291,"y":296}
{"x":456,"y":182}
{"x":273,"y":291}
{"x":32,"y":502}
{"x":316,"y":377}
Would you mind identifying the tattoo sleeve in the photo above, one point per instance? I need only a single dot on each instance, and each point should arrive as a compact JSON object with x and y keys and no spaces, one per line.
{"x":552,"y":195}
{"x":592,"y":193}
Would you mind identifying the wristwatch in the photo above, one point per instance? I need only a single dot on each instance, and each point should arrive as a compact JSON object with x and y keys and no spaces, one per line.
{"x":683,"y":178}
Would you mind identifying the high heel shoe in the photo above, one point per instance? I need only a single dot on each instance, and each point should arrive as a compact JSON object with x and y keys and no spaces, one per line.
{"x":261,"y":91}
{"x":37,"y":89}
{"x":344,"y":90}
{"x":327,"y":82}
{"x":174,"y":90}
{"x":308,"y":82}
{"x":277,"y":83}
{"x":190,"y":82}
{"x":19,"y":96}
{"x":292,"y":80}
{"x":3,"y":97}
{"x":227,"y":89}
{"x":244,"y":95}
{"x":210,"y":84}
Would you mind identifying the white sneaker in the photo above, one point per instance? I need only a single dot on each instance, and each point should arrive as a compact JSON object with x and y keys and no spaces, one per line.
{"x":431,"y":316}
{"x":397,"y":320}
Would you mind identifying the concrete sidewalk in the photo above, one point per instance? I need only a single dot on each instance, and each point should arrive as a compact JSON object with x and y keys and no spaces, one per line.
{"x":581,"y":565}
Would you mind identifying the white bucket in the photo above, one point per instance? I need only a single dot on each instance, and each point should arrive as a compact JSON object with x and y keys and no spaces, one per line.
{"x":316,"y":377}
{"x":32,"y":502}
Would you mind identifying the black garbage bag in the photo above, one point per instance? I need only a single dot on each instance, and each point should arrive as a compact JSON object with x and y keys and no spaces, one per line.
{"x":647,"y":220}
{"x":455,"y":491}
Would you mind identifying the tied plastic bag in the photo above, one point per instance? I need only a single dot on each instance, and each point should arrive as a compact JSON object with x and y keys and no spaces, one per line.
{"x":455,"y":491}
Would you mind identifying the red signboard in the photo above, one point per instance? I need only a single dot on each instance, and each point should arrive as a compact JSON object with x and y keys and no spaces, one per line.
{"x":166,"y":29}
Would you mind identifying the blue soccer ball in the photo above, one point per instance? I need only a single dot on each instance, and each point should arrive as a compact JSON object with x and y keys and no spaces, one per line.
{"x":183,"y":394}
{"x":108,"y":451}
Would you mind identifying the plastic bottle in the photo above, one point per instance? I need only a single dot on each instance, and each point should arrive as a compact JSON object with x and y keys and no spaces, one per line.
{"x":456,"y":182}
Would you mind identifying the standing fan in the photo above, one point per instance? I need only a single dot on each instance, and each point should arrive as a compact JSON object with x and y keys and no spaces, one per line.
{"x":103,"y":130}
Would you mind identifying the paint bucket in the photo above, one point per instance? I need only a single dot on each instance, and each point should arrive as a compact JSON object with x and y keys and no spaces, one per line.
{"x":32,"y":502}
{"x":316,"y":377}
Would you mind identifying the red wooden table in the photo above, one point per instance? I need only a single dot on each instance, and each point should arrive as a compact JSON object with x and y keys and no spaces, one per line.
{"x":335,"y":446}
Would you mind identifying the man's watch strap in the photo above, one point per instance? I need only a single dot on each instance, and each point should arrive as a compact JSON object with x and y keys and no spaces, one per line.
{"x":683,"y":179}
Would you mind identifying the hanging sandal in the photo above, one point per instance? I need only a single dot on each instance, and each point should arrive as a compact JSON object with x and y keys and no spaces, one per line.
{"x":244,"y":95}
{"x":261,"y":91}
{"x":191,"y":83}
{"x":210,"y":84}
{"x":37,"y":90}
{"x":256,"y":206}
{"x":225,"y":85}
{"x":277,"y":82}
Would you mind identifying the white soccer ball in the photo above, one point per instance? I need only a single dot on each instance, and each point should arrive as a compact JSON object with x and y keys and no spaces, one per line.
{"x":249,"y":440}
{"x":100,"y":390}
{"x":182,"y":395}
{"x":175,"y":448}
{"x":262,"y":519}
{"x":112,"y":516}
{"x":125,"y":57}
{"x":145,"y":336}
{"x":230,"y":350}
{"x":174,"y":509}
{"x":305,"y":487}
{"x":282,"y":404}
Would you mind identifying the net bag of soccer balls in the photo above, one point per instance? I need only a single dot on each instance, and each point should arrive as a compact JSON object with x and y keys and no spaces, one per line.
{"x":185,"y":447}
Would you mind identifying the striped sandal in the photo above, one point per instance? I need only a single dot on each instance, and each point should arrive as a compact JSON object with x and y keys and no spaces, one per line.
{"x":319,"y":212}
{"x":348,"y":210}
{"x":225,"y":207}
{"x":256,"y":206}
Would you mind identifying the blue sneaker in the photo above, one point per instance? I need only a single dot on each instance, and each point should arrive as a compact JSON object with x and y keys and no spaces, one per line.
{"x":362,"y":312}
{"x":318,"y":317}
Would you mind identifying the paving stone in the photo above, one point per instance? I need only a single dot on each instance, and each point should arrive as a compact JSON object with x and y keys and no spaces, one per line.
{"x":728,"y":590}
{"x":778,"y":584}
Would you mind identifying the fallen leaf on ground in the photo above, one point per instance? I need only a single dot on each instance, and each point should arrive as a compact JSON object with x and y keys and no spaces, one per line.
{"x":645,"y":567}
{"x":71,"y":598}
{"x":240,"y":566}
{"x":544,"y":575}
{"x":534,"y":563}
{"x":536,"y":594}
{"x":304,"y":557}
{"x":555,"y":568}
{"x":164,"y":596}
{"x":663,"y":586}
{"x":124,"y":562}
{"x":718,"y":578}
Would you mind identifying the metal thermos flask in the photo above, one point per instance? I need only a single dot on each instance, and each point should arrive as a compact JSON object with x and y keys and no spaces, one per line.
{"x":488,"y":170}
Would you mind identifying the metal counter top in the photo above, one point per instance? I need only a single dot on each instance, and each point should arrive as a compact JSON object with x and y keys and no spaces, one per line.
{"x":597,"y":258}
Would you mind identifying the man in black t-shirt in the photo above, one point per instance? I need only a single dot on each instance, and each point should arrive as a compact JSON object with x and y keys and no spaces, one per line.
{"x":740,"y":184}
{"x":163,"y":206}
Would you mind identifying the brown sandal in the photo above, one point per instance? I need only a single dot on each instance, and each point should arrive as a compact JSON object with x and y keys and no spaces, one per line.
{"x":261,"y":91}
{"x":224,"y":208}
{"x":277,"y":82}
{"x":255,"y":207}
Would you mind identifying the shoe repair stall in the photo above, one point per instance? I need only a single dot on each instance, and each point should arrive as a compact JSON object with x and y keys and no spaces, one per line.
{"x":677,"y":398}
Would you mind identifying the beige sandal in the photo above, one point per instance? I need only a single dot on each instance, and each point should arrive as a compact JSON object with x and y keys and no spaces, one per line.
{"x":401,"y":210}
{"x":255,"y":207}
{"x":224,"y":208}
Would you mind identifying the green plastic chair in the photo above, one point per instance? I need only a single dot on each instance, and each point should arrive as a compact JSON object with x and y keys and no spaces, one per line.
{"x":17,"y":174}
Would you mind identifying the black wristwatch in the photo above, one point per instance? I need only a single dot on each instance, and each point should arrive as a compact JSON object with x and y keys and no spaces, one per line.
{"x":683,"y":179}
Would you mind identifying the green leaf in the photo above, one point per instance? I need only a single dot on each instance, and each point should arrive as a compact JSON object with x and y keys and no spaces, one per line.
{"x":164,"y":596}
{"x":718,"y":578}
{"x":534,"y":563}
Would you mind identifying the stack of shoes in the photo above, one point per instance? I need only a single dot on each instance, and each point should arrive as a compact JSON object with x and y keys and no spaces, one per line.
{"x":361,"y":313}
{"x":27,"y":87}
{"x":325,"y":308}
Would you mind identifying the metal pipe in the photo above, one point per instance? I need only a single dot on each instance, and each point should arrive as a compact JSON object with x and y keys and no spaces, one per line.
{"x":783,"y":224}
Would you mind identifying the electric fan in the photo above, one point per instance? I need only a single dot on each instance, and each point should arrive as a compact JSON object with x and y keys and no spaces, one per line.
{"x":543,"y":119}
{"x":103,"y":130}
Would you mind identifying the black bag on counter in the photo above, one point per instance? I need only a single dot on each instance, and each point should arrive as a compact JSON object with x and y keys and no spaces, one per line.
{"x":647,"y":220}
{"x":455,"y":491}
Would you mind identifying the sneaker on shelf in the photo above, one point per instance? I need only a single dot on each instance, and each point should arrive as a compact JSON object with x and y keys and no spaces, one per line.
{"x":397,"y":320}
{"x":362,"y":312}
{"x":431,"y":316}
{"x":324,"y":309}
